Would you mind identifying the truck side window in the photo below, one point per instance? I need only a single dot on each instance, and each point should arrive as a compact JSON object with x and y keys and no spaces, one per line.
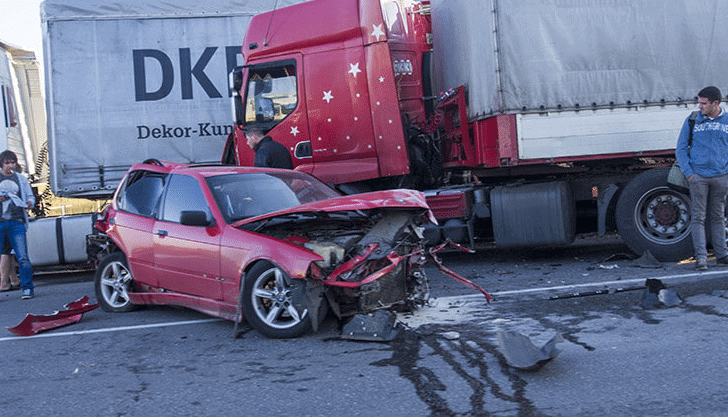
{"x":141,"y":193}
{"x":11,"y":115}
{"x":271,"y":94}
{"x":393,"y":19}
{"x":5,"y":106}
{"x":183,"y":193}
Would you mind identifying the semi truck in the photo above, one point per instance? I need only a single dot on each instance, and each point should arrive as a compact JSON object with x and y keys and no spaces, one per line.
{"x":136,"y":79}
{"x":525,"y":123}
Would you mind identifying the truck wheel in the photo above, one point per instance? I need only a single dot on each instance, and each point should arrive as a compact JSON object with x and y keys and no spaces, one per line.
{"x":113,"y":283}
{"x":651,"y":216}
{"x":273,"y":304}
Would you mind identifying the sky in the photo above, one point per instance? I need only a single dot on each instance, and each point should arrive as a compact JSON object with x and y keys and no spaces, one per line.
{"x":20,"y":25}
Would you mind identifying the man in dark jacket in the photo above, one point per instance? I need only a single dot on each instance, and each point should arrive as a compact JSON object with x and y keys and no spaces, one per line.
{"x":268,"y":153}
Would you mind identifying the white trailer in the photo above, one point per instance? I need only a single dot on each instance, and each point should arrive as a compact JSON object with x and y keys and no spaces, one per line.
{"x":137,"y":79}
{"x":598,"y":88}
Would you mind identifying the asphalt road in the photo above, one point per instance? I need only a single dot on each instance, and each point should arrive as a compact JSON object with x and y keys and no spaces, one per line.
{"x":616,"y":358}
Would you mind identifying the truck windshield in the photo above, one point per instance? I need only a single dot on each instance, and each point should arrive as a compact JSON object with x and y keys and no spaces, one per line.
{"x":271,"y":94}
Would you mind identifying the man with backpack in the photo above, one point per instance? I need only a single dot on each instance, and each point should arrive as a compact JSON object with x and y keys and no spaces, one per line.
{"x":704,"y":161}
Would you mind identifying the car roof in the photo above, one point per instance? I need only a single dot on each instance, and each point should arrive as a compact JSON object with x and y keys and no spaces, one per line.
{"x":205,"y":170}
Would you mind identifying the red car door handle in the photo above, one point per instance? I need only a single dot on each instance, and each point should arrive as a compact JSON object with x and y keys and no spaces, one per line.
{"x":161,"y":233}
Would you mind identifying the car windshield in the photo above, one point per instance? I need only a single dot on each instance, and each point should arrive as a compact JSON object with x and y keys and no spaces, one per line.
{"x":239,"y":196}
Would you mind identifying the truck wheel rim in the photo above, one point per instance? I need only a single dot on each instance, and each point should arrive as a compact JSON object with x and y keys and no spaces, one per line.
{"x":663,"y":216}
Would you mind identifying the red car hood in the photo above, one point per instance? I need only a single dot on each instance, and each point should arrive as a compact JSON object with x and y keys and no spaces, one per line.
{"x":400,"y":198}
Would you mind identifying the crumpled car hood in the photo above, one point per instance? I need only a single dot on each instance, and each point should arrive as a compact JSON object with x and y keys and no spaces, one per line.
{"x":400,"y":198}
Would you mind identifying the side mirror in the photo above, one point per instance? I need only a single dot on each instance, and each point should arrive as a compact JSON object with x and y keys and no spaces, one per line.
{"x":194,"y":218}
{"x":235,"y":83}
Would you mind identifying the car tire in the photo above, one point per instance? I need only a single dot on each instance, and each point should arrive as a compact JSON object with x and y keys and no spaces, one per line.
{"x":113,"y":282}
{"x":273,"y":304}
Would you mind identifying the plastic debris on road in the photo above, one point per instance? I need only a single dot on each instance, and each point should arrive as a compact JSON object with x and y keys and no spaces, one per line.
{"x":379,"y":326}
{"x":34,"y":324}
{"x":521,"y":353}
{"x":647,"y":260}
{"x":658,"y":295}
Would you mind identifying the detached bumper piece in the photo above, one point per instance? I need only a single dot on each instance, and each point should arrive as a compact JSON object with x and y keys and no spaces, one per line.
{"x":34,"y":324}
{"x":379,"y":326}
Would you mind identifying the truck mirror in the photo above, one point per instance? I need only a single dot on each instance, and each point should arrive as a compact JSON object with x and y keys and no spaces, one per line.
{"x":238,"y":110}
{"x":235,"y":84}
{"x":236,"y":80}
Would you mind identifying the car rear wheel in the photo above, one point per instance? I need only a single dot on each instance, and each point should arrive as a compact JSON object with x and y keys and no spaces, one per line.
{"x":273,"y":303}
{"x":113,"y":283}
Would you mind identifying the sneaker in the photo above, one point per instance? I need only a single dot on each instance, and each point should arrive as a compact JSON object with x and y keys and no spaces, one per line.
{"x":27,"y":294}
{"x":722,"y":261}
{"x":701,"y":265}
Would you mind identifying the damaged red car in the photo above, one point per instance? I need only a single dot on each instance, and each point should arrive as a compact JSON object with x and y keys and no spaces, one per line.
{"x":276,"y":248}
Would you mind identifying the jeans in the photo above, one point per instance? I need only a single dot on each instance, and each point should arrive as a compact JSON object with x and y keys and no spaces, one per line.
{"x":15,"y":232}
{"x":708,"y":198}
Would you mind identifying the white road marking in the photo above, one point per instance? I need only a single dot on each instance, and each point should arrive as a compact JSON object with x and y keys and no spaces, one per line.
{"x":596,"y":285}
{"x":458,"y":309}
{"x":451,"y":299}
{"x":111,"y":329}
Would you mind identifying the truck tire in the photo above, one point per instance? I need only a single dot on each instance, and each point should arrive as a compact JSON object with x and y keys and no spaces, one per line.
{"x":651,"y":216}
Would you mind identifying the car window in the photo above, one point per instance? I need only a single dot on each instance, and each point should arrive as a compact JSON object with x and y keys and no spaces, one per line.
{"x":183,"y":194}
{"x":239,"y":196}
{"x":141,"y":193}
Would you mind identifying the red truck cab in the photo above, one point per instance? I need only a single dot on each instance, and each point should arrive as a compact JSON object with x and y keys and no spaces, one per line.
{"x":332,"y":80}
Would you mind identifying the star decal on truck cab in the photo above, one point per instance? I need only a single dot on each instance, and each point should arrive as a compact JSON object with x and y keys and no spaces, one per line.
{"x":354,"y":69}
{"x":377,"y":31}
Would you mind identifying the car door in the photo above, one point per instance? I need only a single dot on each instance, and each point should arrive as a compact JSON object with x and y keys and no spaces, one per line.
{"x":137,"y":203}
{"x":187,"y":257}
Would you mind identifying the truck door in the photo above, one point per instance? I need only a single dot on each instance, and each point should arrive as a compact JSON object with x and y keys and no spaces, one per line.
{"x":340,"y":117}
{"x":273,"y":101}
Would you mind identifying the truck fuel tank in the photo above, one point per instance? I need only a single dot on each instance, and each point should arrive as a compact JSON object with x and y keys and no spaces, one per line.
{"x":533,"y":214}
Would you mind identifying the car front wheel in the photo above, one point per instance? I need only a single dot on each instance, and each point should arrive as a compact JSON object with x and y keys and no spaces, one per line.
{"x":273,"y":304}
{"x":113,"y":283}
